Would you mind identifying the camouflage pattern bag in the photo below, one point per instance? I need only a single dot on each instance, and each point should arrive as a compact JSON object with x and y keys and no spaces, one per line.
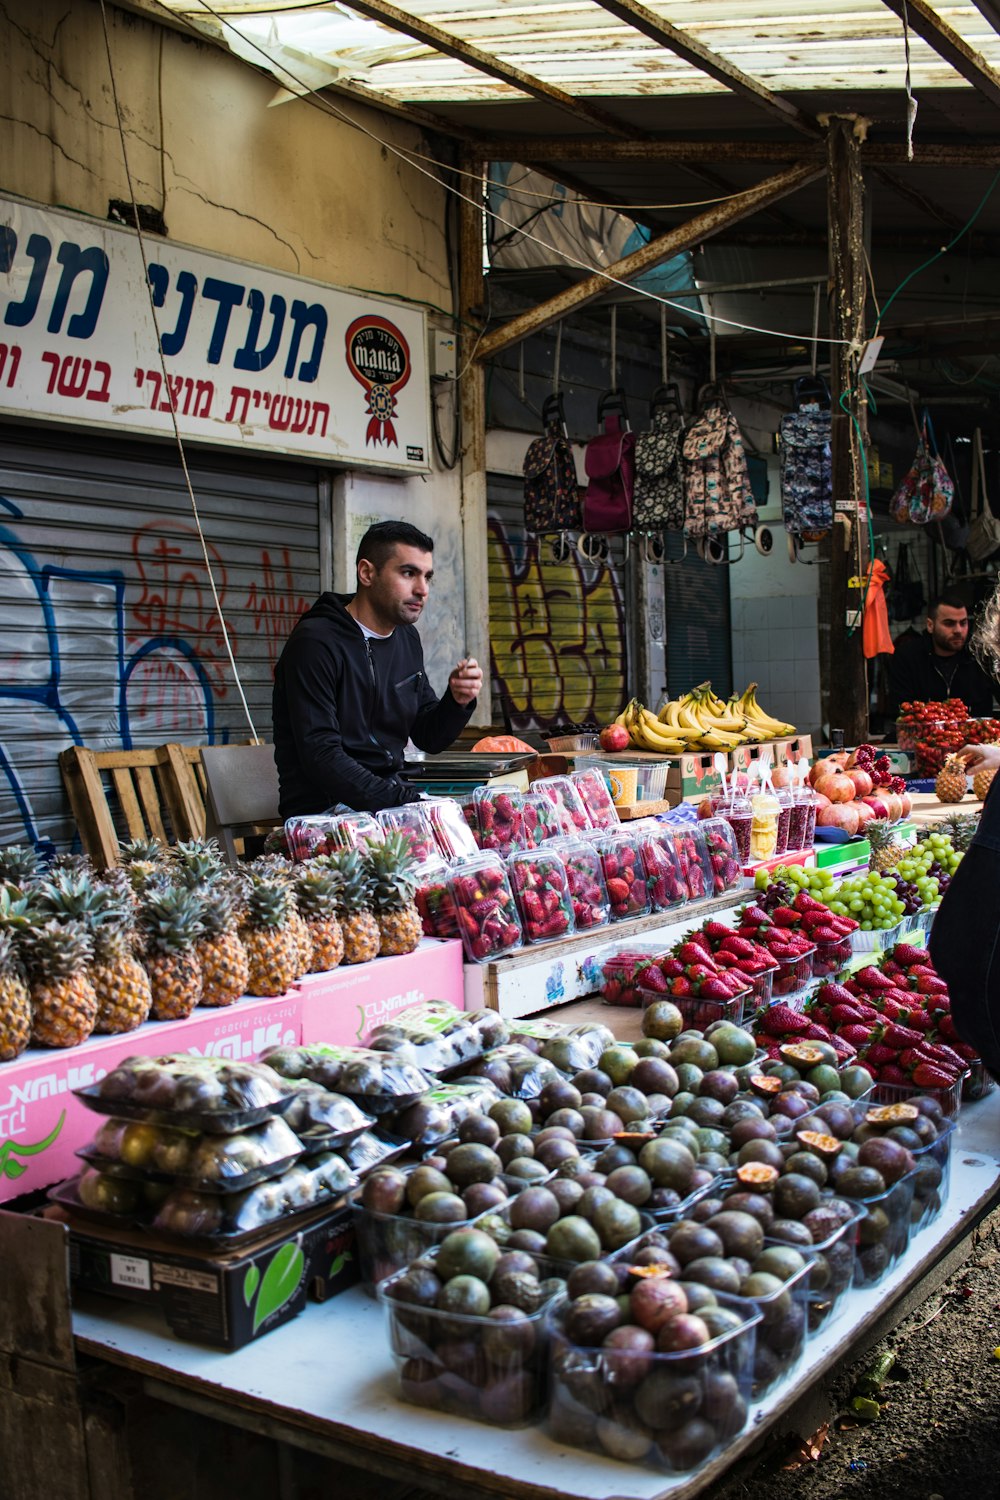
{"x":806,"y":467}
{"x":658,"y":500}
{"x":551,"y":490}
{"x":717,"y":493}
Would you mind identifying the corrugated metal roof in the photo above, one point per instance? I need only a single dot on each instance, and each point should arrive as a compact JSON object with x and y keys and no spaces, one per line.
{"x":579,"y":47}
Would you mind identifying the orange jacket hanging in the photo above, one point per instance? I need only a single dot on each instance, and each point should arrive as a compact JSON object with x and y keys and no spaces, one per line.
{"x":875,"y":635}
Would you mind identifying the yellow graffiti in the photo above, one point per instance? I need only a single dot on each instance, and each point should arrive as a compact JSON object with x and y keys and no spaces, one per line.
{"x":556,"y":634}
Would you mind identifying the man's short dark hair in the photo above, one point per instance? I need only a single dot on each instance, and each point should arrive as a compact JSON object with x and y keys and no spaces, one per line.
{"x":379,"y":541}
{"x":945,"y":601}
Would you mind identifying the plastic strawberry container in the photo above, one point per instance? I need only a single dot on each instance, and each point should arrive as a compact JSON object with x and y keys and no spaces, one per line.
{"x":723,"y":855}
{"x":435,"y":902}
{"x":470,"y":813}
{"x":978,"y":1082}
{"x":664,"y":876}
{"x":541,"y":890}
{"x":413,"y":822}
{"x":452,"y":834}
{"x":487,"y":915}
{"x":588,"y":893}
{"x":601,"y":1401}
{"x":624,"y":875}
{"x":830,"y":958}
{"x":876,"y":940}
{"x":697,"y":1012}
{"x":541,"y":819}
{"x":568,"y":802}
{"x":691,"y":849}
{"x":792,"y":974}
{"x":593,"y":788}
{"x":501,"y":818}
{"x":308,"y":836}
{"x":620,"y":976}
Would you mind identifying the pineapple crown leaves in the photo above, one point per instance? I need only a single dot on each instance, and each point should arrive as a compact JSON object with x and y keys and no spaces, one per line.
{"x":171,"y":919}
{"x":57,"y":950}
{"x":79,"y":863}
{"x":392,"y":871}
{"x":221,"y":898}
{"x":269,"y":903}
{"x":72,"y":895}
{"x":317,"y":891}
{"x":18,"y":909}
{"x":9,"y":956}
{"x":355,"y":880}
{"x":19,"y":865}
{"x":880,"y":833}
{"x":140,"y":851}
{"x":197,"y":860}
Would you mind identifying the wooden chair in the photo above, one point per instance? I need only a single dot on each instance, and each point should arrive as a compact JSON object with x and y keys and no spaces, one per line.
{"x":136,"y":794}
{"x":241,"y":792}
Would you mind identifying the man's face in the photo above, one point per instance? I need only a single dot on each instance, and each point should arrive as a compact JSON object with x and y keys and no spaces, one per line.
{"x":398,"y":591}
{"x":949,"y":629}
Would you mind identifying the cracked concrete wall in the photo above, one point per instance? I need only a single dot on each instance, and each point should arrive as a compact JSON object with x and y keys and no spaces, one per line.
{"x":288,"y":187}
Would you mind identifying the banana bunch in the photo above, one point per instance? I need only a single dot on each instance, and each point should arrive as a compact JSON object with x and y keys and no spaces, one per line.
{"x":760,"y":724}
{"x":706,"y":723}
{"x":647,"y":733}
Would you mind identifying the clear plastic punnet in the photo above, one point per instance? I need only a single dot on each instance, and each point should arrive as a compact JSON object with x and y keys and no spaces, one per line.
{"x":413,"y":822}
{"x":203,"y":1216}
{"x":379,"y":1082}
{"x":664,"y":878}
{"x":488,"y":921}
{"x":624,"y":874}
{"x":192,"y":1093}
{"x":454,"y":838}
{"x":723,"y":855}
{"x":437,"y":1116}
{"x":691,"y":849}
{"x":541,"y":820}
{"x":566,"y":798}
{"x":541,"y":890}
{"x":501,"y":818}
{"x":593,"y":788}
{"x":588,"y":893}
{"x":434,"y":901}
{"x":470,"y":813}
{"x":308,"y":836}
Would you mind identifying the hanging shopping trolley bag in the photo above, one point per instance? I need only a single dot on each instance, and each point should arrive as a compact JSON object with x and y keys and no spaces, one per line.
{"x":551,"y":491}
{"x":806,"y":470}
{"x":658,"y":501}
{"x":610,"y":465}
{"x":717,"y":492}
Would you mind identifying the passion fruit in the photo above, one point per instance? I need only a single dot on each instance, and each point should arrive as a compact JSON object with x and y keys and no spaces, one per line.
{"x":783,"y":1261}
{"x":509,"y":1147}
{"x":757,"y":1204}
{"x":573,"y":1239}
{"x":694,"y":1049}
{"x":534,"y":1208}
{"x":692,"y":1241}
{"x":740,"y":1233}
{"x":662,"y":1021}
{"x":593,"y":1081}
{"x":559,"y":1094}
{"x":806,"y":1164}
{"x":618,"y":1062}
{"x":631,"y":1184}
{"x":669,"y":1164}
{"x":795,"y":1195}
{"x":479,"y":1197}
{"x":617,"y":1223}
{"x":440,"y":1208}
{"x":591,"y":1317}
{"x":424,"y":1180}
{"x":592,"y":1276}
{"x":512,"y":1115}
{"x":763,"y":1152}
{"x":759,"y":1177}
{"x":384,"y":1192}
{"x":734,"y":1046}
{"x":628,"y":1103}
{"x":654,"y":1301}
{"x":479,"y":1130}
{"x":714,"y":1271}
{"x":891,"y":1160}
{"x":860,"y":1182}
{"x":467,"y":1295}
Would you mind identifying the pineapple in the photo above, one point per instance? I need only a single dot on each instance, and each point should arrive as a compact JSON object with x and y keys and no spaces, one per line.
{"x":197,"y":861}
{"x":142,"y":860}
{"x":64,"y":1006}
{"x":271,"y":945}
{"x":362,"y":938}
{"x":390,"y":865}
{"x":15,"y":1002}
{"x":19,"y":866}
{"x":887,"y":850}
{"x":172,"y":924}
{"x":959,"y":827}
{"x":950,"y":784}
{"x":121,"y":984}
{"x":982,"y":781}
{"x":224,"y":966}
{"x":316,"y":893}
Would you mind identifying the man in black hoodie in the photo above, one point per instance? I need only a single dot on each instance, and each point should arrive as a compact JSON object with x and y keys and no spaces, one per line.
{"x":939,"y":665}
{"x":350,"y":687}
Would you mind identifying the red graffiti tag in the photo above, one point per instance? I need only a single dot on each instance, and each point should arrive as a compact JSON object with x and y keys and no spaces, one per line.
{"x":274,"y":604}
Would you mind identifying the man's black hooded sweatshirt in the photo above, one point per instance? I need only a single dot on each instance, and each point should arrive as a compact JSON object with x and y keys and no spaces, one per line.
{"x":344,"y":707}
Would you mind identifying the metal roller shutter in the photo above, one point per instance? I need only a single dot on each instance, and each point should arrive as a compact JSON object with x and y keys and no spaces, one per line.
{"x":109,"y":632}
{"x":699,"y":643}
{"x":557,"y":629}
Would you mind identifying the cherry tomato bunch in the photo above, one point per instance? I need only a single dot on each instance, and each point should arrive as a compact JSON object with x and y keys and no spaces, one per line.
{"x":932,"y":731}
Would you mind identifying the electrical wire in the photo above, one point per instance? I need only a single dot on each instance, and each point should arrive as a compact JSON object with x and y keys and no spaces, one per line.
{"x":411,"y":160}
{"x":166,"y":380}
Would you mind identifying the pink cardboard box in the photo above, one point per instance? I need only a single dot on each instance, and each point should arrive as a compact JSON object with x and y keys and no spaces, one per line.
{"x":343,"y":1007}
{"x":42,"y":1124}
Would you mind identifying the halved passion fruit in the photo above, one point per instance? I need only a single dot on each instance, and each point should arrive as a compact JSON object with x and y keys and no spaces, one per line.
{"x":758,"y":1175}
{"x":634,"y":1138}
{"x":892,"y":1114}
{"x":642,"y":1273}
{"x":764,"y":1086}
{"x":802,"y":1054}
{"x":823,"y":1146}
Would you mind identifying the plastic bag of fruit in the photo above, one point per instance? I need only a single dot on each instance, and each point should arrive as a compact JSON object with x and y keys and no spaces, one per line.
{"x":192,"y":1093}
{"x":624,"y":875}
{"x":664,"y":877}
{"x":437,"y":1037}
{"x":378,"y":1081}
{"x":203,"y":1162}
{"x":517,"y":1071}
{"x":325,"y":1115}
{"x":203,"y":1216}
{"x":437,"y":1116}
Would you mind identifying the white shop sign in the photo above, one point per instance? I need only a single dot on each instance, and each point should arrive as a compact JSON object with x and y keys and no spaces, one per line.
{"x":254,"y":358}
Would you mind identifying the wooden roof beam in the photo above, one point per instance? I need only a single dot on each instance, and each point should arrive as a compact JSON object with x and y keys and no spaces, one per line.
{"x":947,"y":43}
{"x":684,"y":237}
{"x":451,"y":46}
{"x":568,"y":149}
{"x":990,"y":11}
{"x":684,"y":46}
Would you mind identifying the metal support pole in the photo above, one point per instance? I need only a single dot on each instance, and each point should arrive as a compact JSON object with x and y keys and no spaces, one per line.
{"x":472,"y":399}
{"x":841,"y":657}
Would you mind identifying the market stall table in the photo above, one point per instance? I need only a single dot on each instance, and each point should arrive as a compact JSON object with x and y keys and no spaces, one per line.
{"x":324,"y":1381}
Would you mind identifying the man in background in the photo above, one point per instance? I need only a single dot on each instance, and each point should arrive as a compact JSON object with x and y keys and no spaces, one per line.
{"x":350,"y":687}
{"x":939,"y":664}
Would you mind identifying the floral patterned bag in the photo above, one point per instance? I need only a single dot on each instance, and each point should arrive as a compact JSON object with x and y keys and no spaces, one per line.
{"x":717,"y":492}
{"x":658,"y":502}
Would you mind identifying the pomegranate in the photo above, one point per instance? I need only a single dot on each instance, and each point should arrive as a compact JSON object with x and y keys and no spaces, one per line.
{"x":782,"y":775}
{"x":878,"y":805}
{"x":614,"y":737}
{"x":838,"y":787}
{"x":865,"y":813}
{"x":832,"y":765}
{"x":906,"y":804}
{"x":821,"y":802}
{"x":894,"y":806}
{"x":840,"y":815}
{"x":862,"y":782}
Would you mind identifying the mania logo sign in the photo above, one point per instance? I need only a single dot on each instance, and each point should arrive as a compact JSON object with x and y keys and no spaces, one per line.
{"x":378,"y":357}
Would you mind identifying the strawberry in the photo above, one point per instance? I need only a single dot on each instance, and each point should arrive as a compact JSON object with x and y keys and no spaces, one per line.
{"x":742,"y":947}
{"x":714,"y":989}
{"x":825,"y":935}
{"x":930,"y":984}
{"x":906,"y":954}
{"x":653,"y":978}
{"x":483,"y":908}
{"x":780,"y":1019}
{"x":804,"y":902}
{"x":946,"y":1026}
{"x":814,"y":1032}
{"x":898,"y":1037}
{"x":856,"y":1033}
{"x":717,"y":931}
{"x":891,"y":1073}
{"x":877,"y":1053}
{"x":618,"y":891}
{"x":928,"y":1076}
{"x":785,"y":916}
{"x":681,"y":987}
{"x":837,"y":994}
{"x":611,"y":989}
{"x":481,"y":947}
{"x":693,"y":952}
{"x":845,"y":1052}
{"x":755,"y":917}
{"x":871,"y":979}
{"x":702,"y":971}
